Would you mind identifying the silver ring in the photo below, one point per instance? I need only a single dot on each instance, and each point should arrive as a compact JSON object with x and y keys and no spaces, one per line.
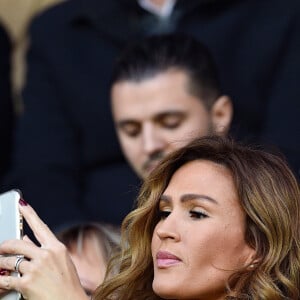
{"x":19,"y":259}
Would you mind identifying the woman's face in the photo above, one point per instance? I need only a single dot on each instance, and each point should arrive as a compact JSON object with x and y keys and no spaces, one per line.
{"x":199,"y":241}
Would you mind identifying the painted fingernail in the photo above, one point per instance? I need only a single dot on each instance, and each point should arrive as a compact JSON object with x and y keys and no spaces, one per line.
{"x":2,"y":272}
{"x":22,"y":202}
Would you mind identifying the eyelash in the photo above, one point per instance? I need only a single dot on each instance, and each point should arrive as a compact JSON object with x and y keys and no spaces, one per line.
{"x":135,"y":130}
{"x":163,"y":214}
{"x":132,"y":133}
{"x":171,"y":125}
{"x":198,"y":214}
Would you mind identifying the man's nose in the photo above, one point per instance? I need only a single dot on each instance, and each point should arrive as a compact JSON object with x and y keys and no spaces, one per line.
{"x":152,"y":139}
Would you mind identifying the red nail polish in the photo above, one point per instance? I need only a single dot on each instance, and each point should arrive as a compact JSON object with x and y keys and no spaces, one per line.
{"x":22,"y":202}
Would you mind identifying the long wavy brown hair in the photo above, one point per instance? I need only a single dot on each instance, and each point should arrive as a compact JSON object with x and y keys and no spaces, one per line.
{"x":269,"y":194}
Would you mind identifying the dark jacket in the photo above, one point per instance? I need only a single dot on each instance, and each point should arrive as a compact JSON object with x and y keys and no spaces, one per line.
{"x":6,"y":103}
{"x":67,"y":160}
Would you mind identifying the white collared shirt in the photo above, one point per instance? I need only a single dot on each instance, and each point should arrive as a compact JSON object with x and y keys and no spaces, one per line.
{"x":164,"y":12}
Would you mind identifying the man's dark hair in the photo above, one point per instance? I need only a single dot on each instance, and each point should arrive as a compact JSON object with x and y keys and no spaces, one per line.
{"x":161,"y":53}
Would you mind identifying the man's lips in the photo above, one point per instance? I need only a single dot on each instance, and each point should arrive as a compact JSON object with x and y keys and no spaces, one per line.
{"x":165,"y":259}
{"x":153,"y":161}
{"x":151,"y":166}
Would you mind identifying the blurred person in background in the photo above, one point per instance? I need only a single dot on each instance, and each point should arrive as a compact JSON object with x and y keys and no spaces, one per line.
{"x":66,"y":152}
{"x":7,"y":113}
{"x":165,"y":91}
{"x":90,"y":246}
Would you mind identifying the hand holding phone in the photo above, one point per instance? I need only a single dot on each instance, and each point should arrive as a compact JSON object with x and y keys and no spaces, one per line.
{"x":11,"y":226}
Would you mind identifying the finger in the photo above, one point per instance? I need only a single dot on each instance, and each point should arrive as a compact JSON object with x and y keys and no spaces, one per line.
{"x":13,"y":264}
{"x":4,"y":272}
{"x":20,"y":264}
{"x":19,"y":247}
{"x":9,"y":283}
{"x":6,"y":263}
{"x":3,"y":292}
{"x":40,"y":230}
{"x":27,"y":239}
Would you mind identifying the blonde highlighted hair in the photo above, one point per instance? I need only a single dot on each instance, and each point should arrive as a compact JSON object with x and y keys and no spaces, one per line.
{"x":269,"y":194}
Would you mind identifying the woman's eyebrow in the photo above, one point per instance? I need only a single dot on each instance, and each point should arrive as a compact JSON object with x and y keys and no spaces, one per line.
{"x":189,"y":197}
{"x":165,"y":198}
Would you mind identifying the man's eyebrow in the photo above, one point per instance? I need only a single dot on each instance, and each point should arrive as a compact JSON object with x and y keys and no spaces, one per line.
{"x":162,"y":114}
{"x":189,"y":197}
{"x":125,"y":122}
{"x":167,"y":113}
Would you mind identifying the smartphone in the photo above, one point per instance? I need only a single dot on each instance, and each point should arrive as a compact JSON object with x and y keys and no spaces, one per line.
{"x":11,"y":226}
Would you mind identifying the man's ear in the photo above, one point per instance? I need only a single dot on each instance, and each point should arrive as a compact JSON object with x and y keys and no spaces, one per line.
{"x":221,"y":115}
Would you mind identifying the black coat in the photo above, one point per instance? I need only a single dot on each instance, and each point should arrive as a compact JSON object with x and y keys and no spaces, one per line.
{"x":67,"y":160}
{"x":6,"y":103}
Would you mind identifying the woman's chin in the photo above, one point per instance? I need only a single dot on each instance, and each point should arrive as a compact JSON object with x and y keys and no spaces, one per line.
{"x":163,"y":291}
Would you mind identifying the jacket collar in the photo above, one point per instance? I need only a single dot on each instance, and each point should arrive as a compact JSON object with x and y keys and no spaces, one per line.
{"x":94,"y":10}
{"x":123,"y":20}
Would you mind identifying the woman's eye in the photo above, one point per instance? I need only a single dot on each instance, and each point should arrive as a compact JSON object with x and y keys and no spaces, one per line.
{"x":198,"y":214}
{"x":88,"y":292}
{"x":163,"y":214}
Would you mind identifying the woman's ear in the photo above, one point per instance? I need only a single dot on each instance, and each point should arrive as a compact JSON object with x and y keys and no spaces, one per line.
{"x":221,"y":115}
{"x":252,"y":261}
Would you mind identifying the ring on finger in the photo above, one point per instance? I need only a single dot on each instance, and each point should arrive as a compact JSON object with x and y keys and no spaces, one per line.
{"x":19,"y":259}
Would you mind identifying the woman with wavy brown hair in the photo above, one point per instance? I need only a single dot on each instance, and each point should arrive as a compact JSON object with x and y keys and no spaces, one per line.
{"x":216,"y":220}
{"x":266,"y":192}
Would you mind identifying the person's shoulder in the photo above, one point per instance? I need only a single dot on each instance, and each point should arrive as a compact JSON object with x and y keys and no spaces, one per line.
{"x":5,"y":44}
{"x":290,"y":4}
{"x":291,"y":7}
{"x":61,"y":15}
{"x":285,"y":15}
{"x":4,"y":37}
{"x":55,"y":17}
{"x":280,"y":16}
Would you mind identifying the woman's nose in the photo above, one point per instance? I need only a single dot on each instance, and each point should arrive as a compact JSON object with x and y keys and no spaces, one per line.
{"x":168,"y":228}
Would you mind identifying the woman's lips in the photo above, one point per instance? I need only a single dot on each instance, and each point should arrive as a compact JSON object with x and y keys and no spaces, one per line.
{"x":166,"y":259}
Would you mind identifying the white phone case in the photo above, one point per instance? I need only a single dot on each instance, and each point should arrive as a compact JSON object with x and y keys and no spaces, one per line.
{"x":11,"y":226}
